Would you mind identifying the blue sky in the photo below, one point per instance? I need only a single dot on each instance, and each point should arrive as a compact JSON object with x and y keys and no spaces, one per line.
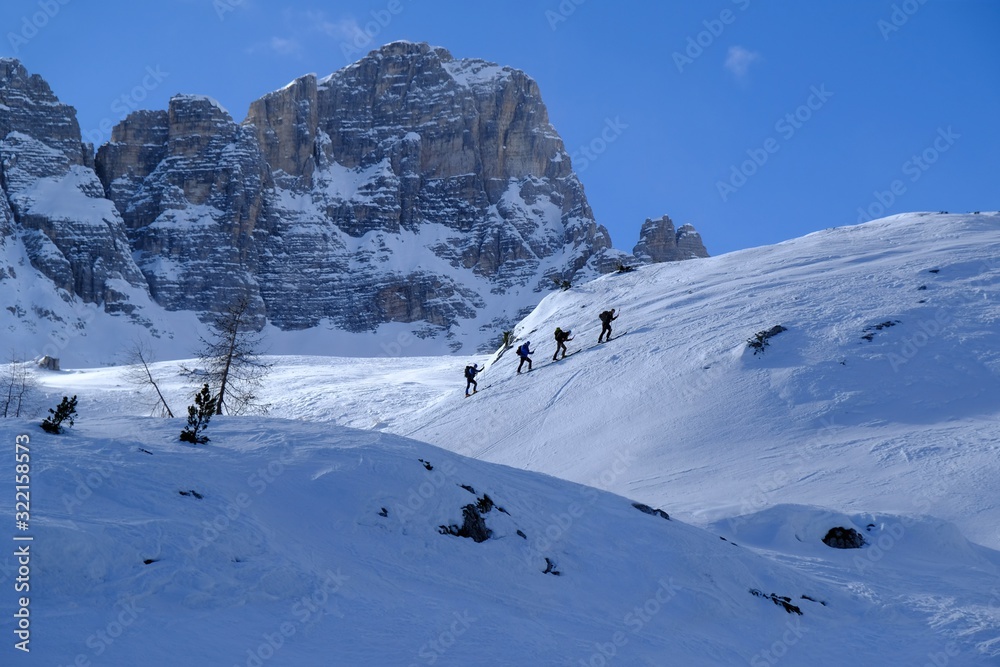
{"x":755,"y":120}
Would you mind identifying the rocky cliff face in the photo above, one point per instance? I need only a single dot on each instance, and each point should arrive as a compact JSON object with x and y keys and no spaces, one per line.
{"x":54,"y":203}
{"x":408,"y":187}
{"x":659,"y":241}
{"x":190,"y":183}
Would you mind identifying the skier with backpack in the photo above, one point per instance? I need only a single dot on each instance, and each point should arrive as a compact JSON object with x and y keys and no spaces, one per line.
{"x":606,"y":318}
{"x":561,"y":338}
{"x":523,"y":352}
{"x":470,"y":378}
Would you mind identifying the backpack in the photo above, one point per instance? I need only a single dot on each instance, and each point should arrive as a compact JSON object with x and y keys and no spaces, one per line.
{"x":605,"y":317}
{"x":559,"y":333}
{"x":470,"y":372}
{"x":523,"y":350}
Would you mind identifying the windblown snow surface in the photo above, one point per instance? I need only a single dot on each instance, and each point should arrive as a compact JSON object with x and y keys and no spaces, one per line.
{"x":313,"y":536}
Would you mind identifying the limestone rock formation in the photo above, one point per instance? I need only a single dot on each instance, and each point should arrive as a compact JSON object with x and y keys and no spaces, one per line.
{"x":190,"y":183}
{"x":53,"y":203}
{"x":659,"y":241}
{"x":408,"y":187}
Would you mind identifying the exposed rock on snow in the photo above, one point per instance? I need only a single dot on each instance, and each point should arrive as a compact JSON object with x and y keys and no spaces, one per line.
{"x":646,"y":509}
{"x":782,"y":601}
{"x":473,"y":526}
{"x":844,"y":538}
{"x":49,"y":363}
{"x":760,"y":340}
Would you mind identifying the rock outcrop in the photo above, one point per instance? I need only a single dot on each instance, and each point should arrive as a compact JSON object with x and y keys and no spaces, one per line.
{"x":190,"y":183}
{"x":53,"y":202}
{"x":844,"y":538}
{"x":659,"y":241}
{"x":408,"y":187}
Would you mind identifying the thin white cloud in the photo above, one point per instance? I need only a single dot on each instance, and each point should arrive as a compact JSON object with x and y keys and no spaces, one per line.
{"x":342,"y":29}
{"x":739,"y":60}
{"x":300,"y":29}
{"x":282,"y":46}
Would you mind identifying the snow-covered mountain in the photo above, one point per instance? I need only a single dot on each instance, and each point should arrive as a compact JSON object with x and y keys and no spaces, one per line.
{"x":409,"y":194}
{"x":875,"y":411}
{"x":52,"y":210}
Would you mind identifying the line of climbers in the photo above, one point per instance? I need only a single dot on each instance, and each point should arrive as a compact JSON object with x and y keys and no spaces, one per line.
{"x":524,"y":350}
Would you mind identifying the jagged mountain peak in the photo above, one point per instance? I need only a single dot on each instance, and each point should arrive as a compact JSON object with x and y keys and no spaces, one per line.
{"x":661,"y":241}
{"x":410,"y":190}
{"x":54,"y":210}
{"x":201,"y":102}
{"x":14,"y":69}
{"x":28,"y":106}
{"x":408,"y":187}
{"x":467,"y":72}
{"x":407,"y":48}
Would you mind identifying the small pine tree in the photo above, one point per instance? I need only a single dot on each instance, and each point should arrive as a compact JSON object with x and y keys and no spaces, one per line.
{"x":508,"y":339}
{"x":199,"y":415}
{"x":66,"y":410}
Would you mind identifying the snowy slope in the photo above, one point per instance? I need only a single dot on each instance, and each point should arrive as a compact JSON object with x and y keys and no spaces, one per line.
{"x":904,"y":422}
{"x":267,"y":547}
{"x":894,"y":436}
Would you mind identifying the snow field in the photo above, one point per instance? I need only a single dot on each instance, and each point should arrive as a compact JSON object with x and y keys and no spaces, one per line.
{"x":875,"y":410}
